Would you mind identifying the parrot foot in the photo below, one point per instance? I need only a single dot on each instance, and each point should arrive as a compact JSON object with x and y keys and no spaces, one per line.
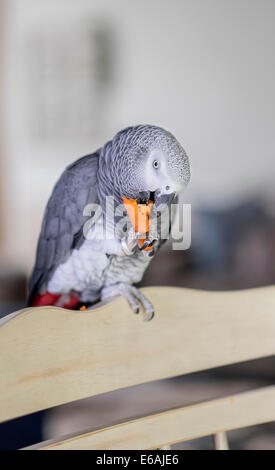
{"x":133,"y":295}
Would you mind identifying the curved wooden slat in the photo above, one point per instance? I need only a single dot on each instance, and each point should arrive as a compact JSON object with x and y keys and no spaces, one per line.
{"x":181,"y":424}
{"x":50,"y":356}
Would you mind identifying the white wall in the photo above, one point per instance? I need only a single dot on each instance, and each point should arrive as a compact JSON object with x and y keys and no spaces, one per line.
{"x":204,"y":69}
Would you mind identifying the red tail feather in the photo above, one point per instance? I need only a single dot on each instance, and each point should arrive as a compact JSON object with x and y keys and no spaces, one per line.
{"x":47,"y":298}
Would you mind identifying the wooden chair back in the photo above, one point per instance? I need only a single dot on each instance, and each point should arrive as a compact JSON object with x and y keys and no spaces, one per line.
{"x":51,"y":356}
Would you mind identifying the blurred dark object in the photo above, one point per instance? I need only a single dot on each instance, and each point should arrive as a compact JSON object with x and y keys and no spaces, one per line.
{"x":231,"y":249}
{"x":12,"y":292}
{"x":21,"y":432}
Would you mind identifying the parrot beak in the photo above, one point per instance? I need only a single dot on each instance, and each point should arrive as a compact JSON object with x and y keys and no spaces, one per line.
{"x":163,"y":198}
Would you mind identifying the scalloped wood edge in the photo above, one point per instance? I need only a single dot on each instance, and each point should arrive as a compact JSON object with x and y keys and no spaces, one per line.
{"x":50,"y":356}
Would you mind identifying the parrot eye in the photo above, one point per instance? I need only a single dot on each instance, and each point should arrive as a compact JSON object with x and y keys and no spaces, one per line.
{"x":155,"y":164}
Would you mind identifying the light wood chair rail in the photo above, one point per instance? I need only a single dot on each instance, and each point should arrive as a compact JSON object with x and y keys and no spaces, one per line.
{"x":178,"y":425}
{"x":50,"y":356}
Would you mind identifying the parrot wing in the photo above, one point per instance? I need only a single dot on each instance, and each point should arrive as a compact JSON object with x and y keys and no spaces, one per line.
{"x":62,"y":227}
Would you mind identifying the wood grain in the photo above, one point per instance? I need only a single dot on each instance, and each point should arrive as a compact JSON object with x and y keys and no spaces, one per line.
{"x":50,"y":356}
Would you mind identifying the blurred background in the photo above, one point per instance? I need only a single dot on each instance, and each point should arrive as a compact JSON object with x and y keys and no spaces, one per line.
{"x":74,"y":73}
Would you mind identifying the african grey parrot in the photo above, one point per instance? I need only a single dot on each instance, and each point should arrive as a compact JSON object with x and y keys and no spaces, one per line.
{"x":73,"y":266}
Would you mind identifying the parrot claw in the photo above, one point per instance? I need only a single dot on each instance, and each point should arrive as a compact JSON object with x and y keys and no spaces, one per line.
{"x":134,"y":297}
{"x":129,"y":243}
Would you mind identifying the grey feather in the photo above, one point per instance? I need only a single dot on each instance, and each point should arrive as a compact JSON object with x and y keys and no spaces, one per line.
{"x":64,"y":219}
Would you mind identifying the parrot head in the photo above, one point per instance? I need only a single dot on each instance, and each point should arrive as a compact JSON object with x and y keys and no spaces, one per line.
{"x":144,"y":163}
